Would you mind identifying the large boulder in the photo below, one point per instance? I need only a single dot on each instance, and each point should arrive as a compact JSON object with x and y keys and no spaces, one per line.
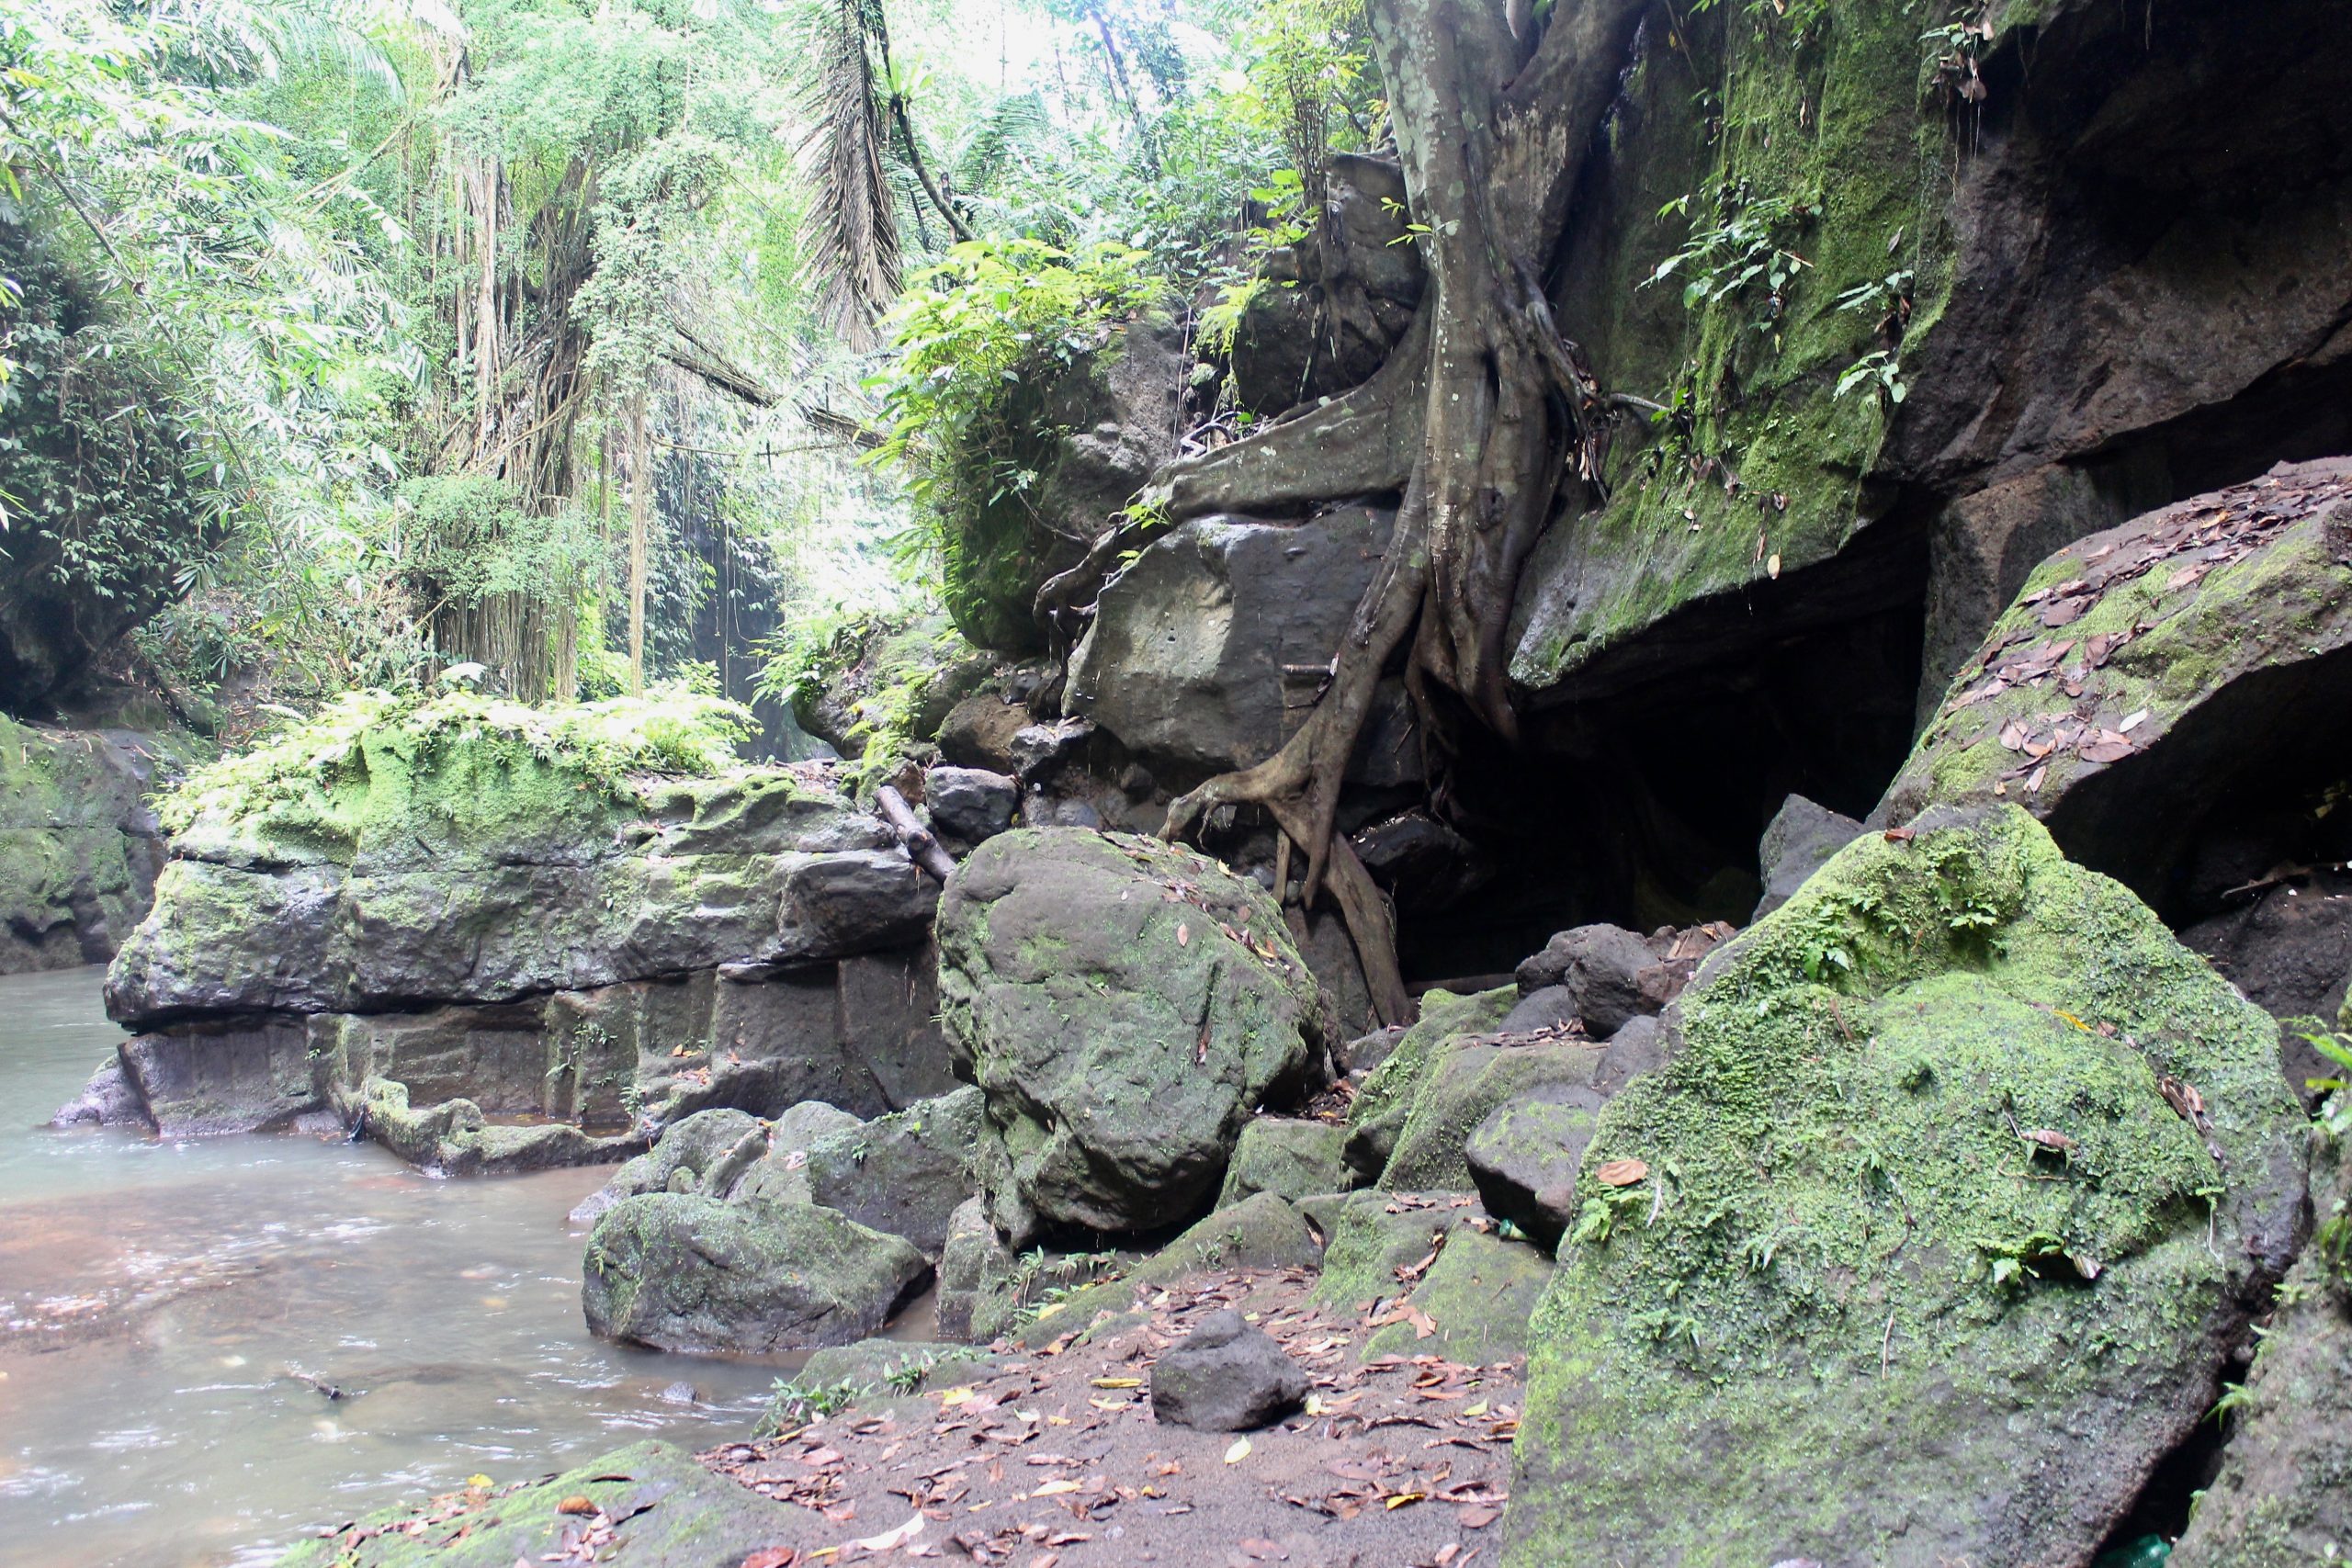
{"x":1377,"y":1115}
{"x":1126,"y":1005}
{"x":1204,"y":650}
{"x":1797,"y":842}
{"x":1288,"y":1157}
{"x":1960,"y":1182}
{"x":2150,"y":679}
{"x":1225,"y":1376}
{"x":680,"y":1271}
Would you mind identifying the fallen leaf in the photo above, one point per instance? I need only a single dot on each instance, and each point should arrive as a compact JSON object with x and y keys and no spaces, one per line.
{"x":1773,"y":567}
{"x":1901,"y":835}
{"x":773,"y":1556}
{"x":1476,"y":1516}
{"x":1238,"y":1451}
{"x":1055,"y":1488}
{"x":576,"y":1504}
{"x":1184,"y":936}
{"x":1118,"y":1383}
{"x":889,"y":1538}
{"x":1621,"y":1173}
{"x":1402,"y":1500}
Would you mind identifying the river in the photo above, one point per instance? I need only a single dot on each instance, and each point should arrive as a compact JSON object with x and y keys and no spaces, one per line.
{"x":170,"y":1311}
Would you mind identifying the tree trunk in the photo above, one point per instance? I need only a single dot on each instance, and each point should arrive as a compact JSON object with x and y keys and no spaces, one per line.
{"x":1478,"y":415}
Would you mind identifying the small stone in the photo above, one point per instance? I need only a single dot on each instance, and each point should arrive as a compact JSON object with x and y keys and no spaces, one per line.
{"x":1225,"y":1377}
{"x":970,"y":805}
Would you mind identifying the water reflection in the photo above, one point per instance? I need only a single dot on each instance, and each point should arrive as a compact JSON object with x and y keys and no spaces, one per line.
{"x":209,"y":1347}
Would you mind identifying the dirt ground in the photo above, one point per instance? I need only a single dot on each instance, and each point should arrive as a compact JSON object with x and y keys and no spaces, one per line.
{"x":1052,"y":1458}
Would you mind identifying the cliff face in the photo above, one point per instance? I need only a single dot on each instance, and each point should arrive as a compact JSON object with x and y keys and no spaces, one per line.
{"x":79,"y":848}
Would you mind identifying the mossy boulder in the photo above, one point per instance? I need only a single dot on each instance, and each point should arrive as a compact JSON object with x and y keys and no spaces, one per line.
{"x":1288,"y":1157}
{"x":685,"y":1272}
{"x":905,"y":1173}
{"x":876,"y":688}
{"x":1468,"y":1079}
{"x":2145,"y":673}
{"x":2284,"y":1495}
{"x":1377,"y":1115}
{"x":1126,"y":1005}
{"x":663,"y":1507}
{"x":1929,"y":1239}
{"x":1526,"y":1155}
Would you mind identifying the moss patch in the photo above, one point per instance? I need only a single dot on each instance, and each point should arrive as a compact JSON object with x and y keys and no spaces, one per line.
{"x":1916,"y":1213}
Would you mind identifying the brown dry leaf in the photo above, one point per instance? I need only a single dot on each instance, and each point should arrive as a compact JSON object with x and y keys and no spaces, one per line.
{"x":576,"y":1504}
{"x":1184,"y":936}
{"x":2108,"y":748}
{"x":1901,"y":835}
{"x":1476,"y":1516}
{"x":773,"y":1556}
{"x":1621,"y":1172}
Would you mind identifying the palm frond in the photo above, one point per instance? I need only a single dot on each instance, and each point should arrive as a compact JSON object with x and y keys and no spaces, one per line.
{"x":855,"y":255}
{"x":1018,"y":121}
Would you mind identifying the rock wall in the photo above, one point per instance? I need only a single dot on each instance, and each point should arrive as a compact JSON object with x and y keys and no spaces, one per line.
{"x":476,"y":950}
{"x":79,"y":847}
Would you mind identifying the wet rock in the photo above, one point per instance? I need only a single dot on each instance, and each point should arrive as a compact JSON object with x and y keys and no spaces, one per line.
{"x":1290,"y":1159}
{"x":1549,"y":1007}
{"x":1637,"y":1048}
{"x":79,"y":847}
{"x":1379,"y":1242}
{"x":691,"y":1273}
{"x":2285,"y":1491}
{"x":2289,"y":948}
{"x":1797,"y":842}
{"x":1125,"y":1005}
{"x":977,"y":1277}
{"x":199,"y":1080}
{"x":1039,"y":751}
{"x":1524,"y":1158}
{"x":1959,"y":1013}
{"x":970,"y":805}
{"x":1422,"y":863}
{"x":455,"y":1137}
{"x":905,"y":1173}
{"x":710,"y":1149}
{"x":109,"y":1100}
{"x":977,"y":733}
{"x":1225,"y":1376}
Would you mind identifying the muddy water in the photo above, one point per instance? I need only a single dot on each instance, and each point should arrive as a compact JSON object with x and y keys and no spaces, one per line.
{"x":170,"y":1312}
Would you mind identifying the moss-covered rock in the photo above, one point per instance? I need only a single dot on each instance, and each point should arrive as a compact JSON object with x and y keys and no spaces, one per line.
{"x":1468,"y":1079}
{"x":1125,"y":1004}
{"x":905,"y":1173}
{"x":1959,"y":1183}
{"x":876,"y":688}
{"x":683,"y":1273}
{"x":663,"y":1508}
{"x":1375,"y":1234}
{"x":79,"y":848}
{"x":1377,"y":1117}
{"x":1288,"y":1157}
{"x":1527,"y":1153}
{"x":1477,"y":1298}
{"x":2284,"y":1495}
{"x":2144,"y":672}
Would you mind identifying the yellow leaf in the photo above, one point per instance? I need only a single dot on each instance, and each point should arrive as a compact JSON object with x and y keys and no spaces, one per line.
{"x":480,"y":1481}
{"x":1055,"y":1488}
{"x":954,"y":1396}
{"x":1478,"y":1409}
{"x":1118,"y":1383}
{"x":1238,"y":1451}
{"x":1773,"y":567}
{"x":1112,"y":1403}
{"x":1402,"y":1498}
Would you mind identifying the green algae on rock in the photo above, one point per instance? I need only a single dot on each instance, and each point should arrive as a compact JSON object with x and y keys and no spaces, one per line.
{"x":1927,"y":1240}
{"x":1289,"y":1157}
{"x":1126,"y":1005}
{"x":683,"y":1272}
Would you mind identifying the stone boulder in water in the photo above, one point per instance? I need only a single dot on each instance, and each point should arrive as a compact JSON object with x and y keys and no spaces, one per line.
{"x":1126,"y":1005}
{"x":1927,"y":1240}
{"x":680,"y":1271}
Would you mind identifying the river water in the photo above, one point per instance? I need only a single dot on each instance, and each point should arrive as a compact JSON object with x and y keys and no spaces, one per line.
{"x":163,"y":1304}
